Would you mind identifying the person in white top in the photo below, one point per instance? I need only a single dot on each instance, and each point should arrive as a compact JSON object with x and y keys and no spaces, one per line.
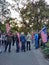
{"x":28,"y":41}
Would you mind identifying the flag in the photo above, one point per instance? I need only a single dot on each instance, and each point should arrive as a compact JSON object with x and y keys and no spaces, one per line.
{"x":7,"y":27}
{"x":44,"y":35}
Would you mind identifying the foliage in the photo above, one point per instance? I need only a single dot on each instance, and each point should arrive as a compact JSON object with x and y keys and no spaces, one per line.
{"x":14,"y":29}
{"x":32,"y":15}
{"x":4,"y":9}
{"x":2,"y":27}
{"x":42,"y":47}
{"x":46,"y":50}
{"x":47,"y":44}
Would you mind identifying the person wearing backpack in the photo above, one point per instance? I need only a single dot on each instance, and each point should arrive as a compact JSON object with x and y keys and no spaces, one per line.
{"x":23,"y":41}
{"x":8,"y":42}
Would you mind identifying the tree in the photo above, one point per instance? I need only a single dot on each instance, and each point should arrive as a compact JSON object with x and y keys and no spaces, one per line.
{"x":5,"y":12}
{"x":33,"y":16}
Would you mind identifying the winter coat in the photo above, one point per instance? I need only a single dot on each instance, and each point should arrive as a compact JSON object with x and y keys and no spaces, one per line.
{"x":16,"y":38}
{"x":9,"y":38}
{"x":23,"y":38}
{"x":36,"y":37}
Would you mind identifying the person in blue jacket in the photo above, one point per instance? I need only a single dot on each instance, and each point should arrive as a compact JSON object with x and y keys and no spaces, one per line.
{"x":23,"y":41}
{"x":36,"y":40}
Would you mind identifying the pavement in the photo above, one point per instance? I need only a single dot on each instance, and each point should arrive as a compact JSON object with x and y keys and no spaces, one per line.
{"x":33,"y":57}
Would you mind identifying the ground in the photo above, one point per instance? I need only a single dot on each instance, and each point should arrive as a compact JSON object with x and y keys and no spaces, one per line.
{"x":33,"y":57}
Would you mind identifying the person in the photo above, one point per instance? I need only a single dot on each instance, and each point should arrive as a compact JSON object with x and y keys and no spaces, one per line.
{"x":44,"y":36}
{"x":17,"y":42}
{"x":13,"y":38}
{"x":48,"y":36}
{"x":39,"y":39}
{"x":32,"y":37}
{"x":3,"y":38}
{"x":23,"y":41}
{"x":28,"y":41}
{"x":8,"y":42}
{"x":36,"y":40}
{"x":0,"y":42}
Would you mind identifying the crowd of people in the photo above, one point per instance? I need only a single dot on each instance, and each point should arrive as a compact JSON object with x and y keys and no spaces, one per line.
{"x":22,"y":41}
{"x":9,"y":39}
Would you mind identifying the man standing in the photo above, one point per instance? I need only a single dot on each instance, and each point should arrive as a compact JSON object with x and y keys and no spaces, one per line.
{"x":44,"y":35}
{"x":0,"y":41}
{"x":13,"y":38}
{"x":8,"y":43}
{"x":36,"y":40}
{"x":17,"y":42}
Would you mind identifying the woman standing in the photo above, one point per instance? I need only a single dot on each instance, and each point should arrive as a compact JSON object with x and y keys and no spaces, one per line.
{"x":28,"y":41}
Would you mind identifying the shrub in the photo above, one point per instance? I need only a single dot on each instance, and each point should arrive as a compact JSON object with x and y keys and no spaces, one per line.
{"x":46,"y":52}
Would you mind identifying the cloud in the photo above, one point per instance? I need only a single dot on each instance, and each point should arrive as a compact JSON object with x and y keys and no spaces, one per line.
{"x":47,"y":1}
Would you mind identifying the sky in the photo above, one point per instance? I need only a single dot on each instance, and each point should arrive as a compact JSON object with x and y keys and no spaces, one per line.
{"x":47,"y":1}
{"x":10,"y":1}
{"x":15,"y":14}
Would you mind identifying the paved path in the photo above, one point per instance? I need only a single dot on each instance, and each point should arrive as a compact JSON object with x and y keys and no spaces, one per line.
{"x":33,"y":57}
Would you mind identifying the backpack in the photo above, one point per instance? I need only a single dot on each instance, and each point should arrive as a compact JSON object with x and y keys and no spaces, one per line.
{"x":9,"y":38}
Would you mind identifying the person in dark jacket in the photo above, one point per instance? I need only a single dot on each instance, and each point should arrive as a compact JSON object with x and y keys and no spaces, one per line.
{"x":0,"y":41}
{"x":17,"y":42}
{"x":39,"y":39}
{"x":8,"y":42}
{"x":48,"y":36}
{"x":23,"y":41}
{"x":13,"y":38}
